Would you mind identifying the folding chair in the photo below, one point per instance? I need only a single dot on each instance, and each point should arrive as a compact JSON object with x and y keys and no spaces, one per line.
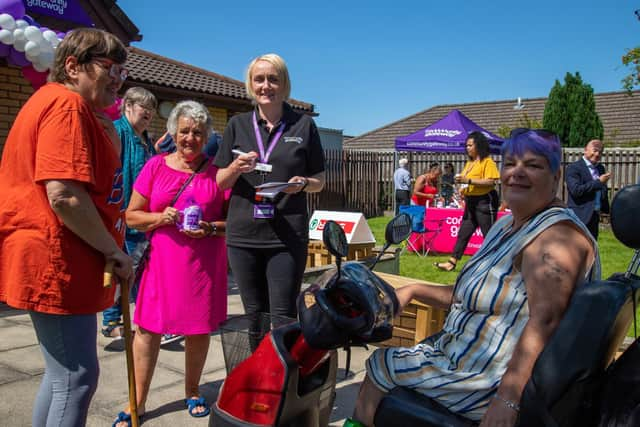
{"x":421,"y":237}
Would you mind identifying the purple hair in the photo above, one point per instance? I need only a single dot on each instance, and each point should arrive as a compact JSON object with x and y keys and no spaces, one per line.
{"x":537,"y":141}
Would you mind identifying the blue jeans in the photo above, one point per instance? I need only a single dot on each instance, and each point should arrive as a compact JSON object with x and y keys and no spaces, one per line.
{"x":113,"y":314}
{"x":68,"y":344}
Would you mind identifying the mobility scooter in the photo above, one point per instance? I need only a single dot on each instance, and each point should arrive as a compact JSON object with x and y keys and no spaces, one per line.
{"x":290,"y":378}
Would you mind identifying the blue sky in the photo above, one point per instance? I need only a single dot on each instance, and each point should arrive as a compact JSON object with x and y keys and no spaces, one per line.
{"x":366,"y":64}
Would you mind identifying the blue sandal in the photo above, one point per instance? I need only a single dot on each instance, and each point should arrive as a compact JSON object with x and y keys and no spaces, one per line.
{"x":126,"y":418}
{"x":194,"y":403}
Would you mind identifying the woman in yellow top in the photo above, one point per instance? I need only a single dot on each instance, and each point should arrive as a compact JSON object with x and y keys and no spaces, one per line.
{"x":479,"y":176}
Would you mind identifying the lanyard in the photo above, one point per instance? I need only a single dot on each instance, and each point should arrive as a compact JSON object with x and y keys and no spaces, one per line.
{"x":264,"y":157}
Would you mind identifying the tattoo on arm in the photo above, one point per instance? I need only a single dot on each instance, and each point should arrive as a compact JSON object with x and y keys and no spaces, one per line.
{"x":552,"y":270}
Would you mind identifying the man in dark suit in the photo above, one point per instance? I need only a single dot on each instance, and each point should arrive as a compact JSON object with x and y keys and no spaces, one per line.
{"x":587,"y":186}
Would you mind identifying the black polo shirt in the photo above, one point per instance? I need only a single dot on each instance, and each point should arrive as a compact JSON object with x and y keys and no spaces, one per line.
{"x":298,"y":152}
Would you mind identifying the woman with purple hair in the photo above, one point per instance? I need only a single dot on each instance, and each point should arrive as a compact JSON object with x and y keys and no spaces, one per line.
{"x":506,"y":303}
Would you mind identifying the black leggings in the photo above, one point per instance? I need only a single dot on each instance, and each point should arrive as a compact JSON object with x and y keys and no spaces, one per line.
{"x":269,"y":279}
{"x":479,"y":211}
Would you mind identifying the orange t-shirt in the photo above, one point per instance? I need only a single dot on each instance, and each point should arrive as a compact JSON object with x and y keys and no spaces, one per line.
{"x":44,"y":266}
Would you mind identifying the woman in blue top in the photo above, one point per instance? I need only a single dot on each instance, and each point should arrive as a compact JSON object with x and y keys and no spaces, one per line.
{"x":138,"y":108}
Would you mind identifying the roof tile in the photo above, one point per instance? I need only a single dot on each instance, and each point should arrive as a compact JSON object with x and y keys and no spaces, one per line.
{"x":148,"y":67}
{"x":618,"y":111}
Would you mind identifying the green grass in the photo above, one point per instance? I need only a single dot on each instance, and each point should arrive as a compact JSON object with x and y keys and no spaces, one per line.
{"x":614,"y":257}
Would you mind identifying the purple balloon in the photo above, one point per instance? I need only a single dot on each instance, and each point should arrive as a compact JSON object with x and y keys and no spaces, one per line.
{"x":14,"y":8}
{"x":4,"y":50}
{"x":31,"y":21}
{"x":17,"y":58}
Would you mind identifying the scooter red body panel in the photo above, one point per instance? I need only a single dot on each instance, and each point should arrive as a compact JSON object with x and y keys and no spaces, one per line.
{"x":283,"y":382}
{"x":253,"y":390}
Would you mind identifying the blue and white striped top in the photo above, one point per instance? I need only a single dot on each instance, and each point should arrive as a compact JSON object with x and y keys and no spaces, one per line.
{"x":462,"y":366}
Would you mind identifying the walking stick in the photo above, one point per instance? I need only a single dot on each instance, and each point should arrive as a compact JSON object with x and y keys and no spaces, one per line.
{"x":128,"y":342}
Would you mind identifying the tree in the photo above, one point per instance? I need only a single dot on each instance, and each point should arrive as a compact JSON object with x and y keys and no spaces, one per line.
{"x":556,"y":116}
{"x":631,"y":60}
{"x":524,"y":121}
{"x":570,"y":112}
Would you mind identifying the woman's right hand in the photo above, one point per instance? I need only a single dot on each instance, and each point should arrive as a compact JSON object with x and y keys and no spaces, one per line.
{"x":245,"y":162}
{"x":169,"y":215}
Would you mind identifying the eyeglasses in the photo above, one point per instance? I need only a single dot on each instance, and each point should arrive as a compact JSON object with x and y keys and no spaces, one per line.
{"x":116,"y":71}
{"x":543,"y":133}
{"x":147,"y":109}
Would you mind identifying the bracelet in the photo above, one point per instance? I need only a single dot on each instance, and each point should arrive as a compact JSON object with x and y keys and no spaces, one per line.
{"x":214,"y":229}
{"x":510,"y":404}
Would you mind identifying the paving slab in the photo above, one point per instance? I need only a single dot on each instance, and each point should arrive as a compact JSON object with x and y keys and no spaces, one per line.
{"x":17,"y":335}
{"x":9,"y":375}
{"x":27,"y":360}
{"x":16,"y":401}
{"x":22,"y":366}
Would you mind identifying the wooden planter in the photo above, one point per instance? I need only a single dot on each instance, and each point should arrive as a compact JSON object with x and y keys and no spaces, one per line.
{"x":417,"y":321}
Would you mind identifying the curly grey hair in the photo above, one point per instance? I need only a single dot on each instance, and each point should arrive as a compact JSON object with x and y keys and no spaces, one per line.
{"x":193,"y":110}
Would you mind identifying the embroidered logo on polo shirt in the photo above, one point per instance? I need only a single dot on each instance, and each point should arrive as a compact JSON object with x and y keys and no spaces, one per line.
{"x":296,"y":139}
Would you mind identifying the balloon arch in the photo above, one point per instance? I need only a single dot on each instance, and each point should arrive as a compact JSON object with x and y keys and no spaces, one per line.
{"x":26,"y":44}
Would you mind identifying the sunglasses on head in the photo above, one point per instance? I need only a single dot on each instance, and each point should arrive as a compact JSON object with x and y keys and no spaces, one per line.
{"x":543,"y":133}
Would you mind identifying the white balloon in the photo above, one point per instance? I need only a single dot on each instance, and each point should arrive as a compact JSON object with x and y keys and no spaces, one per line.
{"x":7,"y":22}
{"x":33,"y":33}
{"x":18,"y":33}
{"x":30,"y":57}
{"x":19,"y":45}
{"x":40,"y":67}
{"x":6,"y":37}
{"x":21,"y":23}
{"x":32,"y":49}
{"x":50,"y":36}
{"x":46,"y":58}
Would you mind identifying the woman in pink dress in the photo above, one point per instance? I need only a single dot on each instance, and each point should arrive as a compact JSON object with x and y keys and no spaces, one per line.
{"x":183,"y":289}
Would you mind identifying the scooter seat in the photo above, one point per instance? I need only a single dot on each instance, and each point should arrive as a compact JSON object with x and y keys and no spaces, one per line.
{"x":402,"y":406}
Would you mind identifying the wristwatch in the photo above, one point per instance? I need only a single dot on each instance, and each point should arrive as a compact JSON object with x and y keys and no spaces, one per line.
{"x":214,"y":229}
{"x":306,"y":182}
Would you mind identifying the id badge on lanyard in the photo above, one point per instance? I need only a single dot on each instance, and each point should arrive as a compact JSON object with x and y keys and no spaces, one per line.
{"x":264,"y":211}
{"x":263,"y":165}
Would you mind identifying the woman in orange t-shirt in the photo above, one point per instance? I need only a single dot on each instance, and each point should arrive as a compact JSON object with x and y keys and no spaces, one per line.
{"x":61,"y":219}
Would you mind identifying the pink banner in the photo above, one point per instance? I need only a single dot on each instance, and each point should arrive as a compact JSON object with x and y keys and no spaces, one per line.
{"x":448,"y":219}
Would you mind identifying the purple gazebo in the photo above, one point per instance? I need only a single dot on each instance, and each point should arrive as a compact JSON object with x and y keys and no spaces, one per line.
{"x":447,"y":135}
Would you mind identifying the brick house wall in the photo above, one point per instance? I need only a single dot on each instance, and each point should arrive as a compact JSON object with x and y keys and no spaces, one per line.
{"x":14,"y":91}
{"x":220,"y":118}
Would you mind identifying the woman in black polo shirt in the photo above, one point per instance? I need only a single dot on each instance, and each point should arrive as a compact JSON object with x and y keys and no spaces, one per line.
{"x":267,"y":238}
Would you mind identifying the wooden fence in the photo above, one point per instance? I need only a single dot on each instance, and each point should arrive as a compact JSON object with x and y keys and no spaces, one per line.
{"x":362,"y":181}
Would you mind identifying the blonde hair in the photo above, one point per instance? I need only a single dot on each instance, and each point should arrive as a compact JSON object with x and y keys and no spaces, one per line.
{"x":281,"y":68}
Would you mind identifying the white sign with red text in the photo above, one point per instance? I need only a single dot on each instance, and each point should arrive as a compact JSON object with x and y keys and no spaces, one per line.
{"x":354,"y":225}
